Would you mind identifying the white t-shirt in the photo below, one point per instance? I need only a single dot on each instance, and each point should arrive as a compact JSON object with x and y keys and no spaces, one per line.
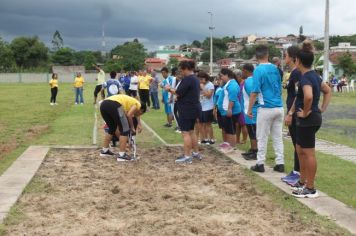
{"x":207,"y":103}
{"x":134,"y":83}
{"x":101,"y":77}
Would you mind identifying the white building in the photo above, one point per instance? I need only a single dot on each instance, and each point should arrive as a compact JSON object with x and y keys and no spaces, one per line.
{"x":343,"y":47}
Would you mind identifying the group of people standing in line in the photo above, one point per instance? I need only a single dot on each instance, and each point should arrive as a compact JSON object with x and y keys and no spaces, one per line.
{"x":248,"y":102}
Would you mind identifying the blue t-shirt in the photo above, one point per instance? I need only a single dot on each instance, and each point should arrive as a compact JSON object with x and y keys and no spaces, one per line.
{"x":126,"y":82}
{"x":217,"y":94}
{"x":248,"y":87}
{"x":165,"y":94}
{"x":230,"y":93}
{"x":112,"y":86}
{"x":312,"y":79}
{"x":267,"y":82}
{"x":291,"y":87}
{"x":207,"y":103}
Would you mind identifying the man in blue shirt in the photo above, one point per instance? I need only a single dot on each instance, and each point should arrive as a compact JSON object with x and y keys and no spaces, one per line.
{"x":267,"y":87}
{"x":165,"y":97}
{"x":112,"y":86}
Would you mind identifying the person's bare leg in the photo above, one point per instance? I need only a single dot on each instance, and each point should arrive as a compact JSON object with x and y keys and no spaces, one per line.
{"x":210,"y":131}
{"x":123,"y":143}
{"x":254,"y":144}
{"x":302,"y":164}
{"x":187,"y":140}
{"x":231,"y":139}
{"x":244,"y":133}
{"x":311,"y":165}
{"x":238,"y":133}
{"x":170,"y":119}
{"x":107,"y":140}
{"x":194,"y":139}
{"x":223,"y":135}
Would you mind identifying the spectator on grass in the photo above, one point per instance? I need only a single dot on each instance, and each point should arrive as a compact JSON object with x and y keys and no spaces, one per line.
{"x":112,"y":86}
{"x":189,"y":109}
{"x":100,"y":81}
{"x":309,"y":119}
{"x":154,"y":91}
{"x":290,"y":119}
{"x":277,"y":62}
{"x":144,"y":85}
{"x":165,"y":96}
{"x":119,"y":113}
{"x":241,"y":123}
{"x":342,"y":83}
{"x":78,"y":88}
{"x":247,"y":75}
{"x":207,"y":104}
{"x":133,"y":84}
{"x":267,"y":86}
{"x":54,"y":89}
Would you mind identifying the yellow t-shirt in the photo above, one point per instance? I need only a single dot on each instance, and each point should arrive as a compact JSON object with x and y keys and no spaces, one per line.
{"x":53,"y":83}
{"x":144,"y":82}
{"x":126,"y":101}
{"x":78,"y":82}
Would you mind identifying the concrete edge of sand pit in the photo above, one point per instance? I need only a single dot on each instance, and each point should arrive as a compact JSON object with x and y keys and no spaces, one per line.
{"x":340,"y":213}
{"x":18,"y":175}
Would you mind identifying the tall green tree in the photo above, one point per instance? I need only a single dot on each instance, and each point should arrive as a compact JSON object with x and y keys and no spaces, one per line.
{"x":173,"y":62}
{"x":64,"y":57}
{"x":7,"y":61}
{"x":131,"y":55}
{"x":57,"y":41}
{"x":347,"y":64}
{"x":29,"y":52}
{"x":249,"y":52}
{"x":196,"y":44}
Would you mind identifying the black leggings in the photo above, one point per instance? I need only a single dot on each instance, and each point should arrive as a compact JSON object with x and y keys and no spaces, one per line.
{"x":54,"y":92}
{"x":145,"y":97}
{"x":293,"y":134}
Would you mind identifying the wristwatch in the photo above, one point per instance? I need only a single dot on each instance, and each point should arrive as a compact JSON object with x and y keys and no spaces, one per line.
{"x":290,"y":113}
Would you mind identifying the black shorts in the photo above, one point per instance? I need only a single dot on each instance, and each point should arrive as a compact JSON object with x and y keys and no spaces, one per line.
{"x":251,"y":128}
{"x":306,"y":136}
{"x":186,"y":125}
{"x":114,"y":116}
{"x":229,"y":124}
{"x":132,"y":93}
{"x":220,"y":119}
{"x":97,"y":90}
{"x":206,"y":116}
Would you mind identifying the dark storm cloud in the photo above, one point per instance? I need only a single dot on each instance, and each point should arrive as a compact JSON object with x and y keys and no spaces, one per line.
{"x":158,"y":22}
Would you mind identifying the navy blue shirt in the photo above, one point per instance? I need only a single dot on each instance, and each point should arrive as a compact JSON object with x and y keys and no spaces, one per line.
{"x":293,"y":81}
{"x":188,"y":94}
{"x":312,"y":79}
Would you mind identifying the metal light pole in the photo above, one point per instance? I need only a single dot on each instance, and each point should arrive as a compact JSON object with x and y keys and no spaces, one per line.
{"x":326,"y":43}
{"x":211,"y":28}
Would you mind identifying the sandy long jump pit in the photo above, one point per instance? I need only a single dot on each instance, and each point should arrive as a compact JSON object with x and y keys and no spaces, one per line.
{"x":80,"y":193}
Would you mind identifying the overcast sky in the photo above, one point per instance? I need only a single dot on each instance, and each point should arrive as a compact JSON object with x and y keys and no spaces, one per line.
{"x":161,"y":22}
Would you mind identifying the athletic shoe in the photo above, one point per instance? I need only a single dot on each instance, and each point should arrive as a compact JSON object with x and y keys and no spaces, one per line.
{"x":76,"y":103}
{"x":56,"y":104}
{"x":306,"y":193}
{"x":279,"y":168}
{"x":211,"y":141}
{"x":168,"y":125}
{"x":178,"y":131}
{"x":292,"y":181}
{"x":226,"y":148}
{"x":81,"y":103}
{"x":108,"y":153}
{"x":224,"y":144}
{"x":250,"y":157}
{"x":184,"y":160}
{"x":197,"y":156}
{"x":125,"y":157}
{"x":247,"y":153}
{"x":292,"y":177}
{"x":258,"y":168}
{"x":297,"y":186}
{"x":205,"y":141}
{"x":51,"y":104}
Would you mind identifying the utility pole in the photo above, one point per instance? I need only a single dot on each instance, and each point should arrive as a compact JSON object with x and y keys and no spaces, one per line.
{"x":103,"y":42}
{"x":326,"y":43}
{"x":211,"y":28}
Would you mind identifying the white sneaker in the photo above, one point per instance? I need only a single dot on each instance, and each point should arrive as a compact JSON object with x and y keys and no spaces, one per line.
{"x":76,"y":103}
{"x":81,"y":103}
{"x":51,"y":104}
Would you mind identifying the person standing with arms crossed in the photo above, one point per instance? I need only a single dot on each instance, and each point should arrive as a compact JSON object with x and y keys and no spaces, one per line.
{"x":54,"y":89}
{"x":267,"y":87}
{"x":189,"y":109}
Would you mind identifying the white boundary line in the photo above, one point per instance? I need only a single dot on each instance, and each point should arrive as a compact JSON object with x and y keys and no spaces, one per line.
{"x":154,"y":133}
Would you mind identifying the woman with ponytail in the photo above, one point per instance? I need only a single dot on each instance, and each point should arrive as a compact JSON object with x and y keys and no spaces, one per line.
{"x":308,"y":119}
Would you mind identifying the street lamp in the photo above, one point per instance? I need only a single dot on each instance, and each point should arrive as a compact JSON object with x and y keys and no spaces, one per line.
{"x":211,"y":28}
{"x":326,"y":43}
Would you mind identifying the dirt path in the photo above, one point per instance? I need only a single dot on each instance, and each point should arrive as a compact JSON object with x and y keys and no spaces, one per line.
{"x":82,"y":194}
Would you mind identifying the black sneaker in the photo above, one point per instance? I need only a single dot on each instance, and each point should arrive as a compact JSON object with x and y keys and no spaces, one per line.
{"x":168,"y":125}
{"x":108,"y":153}
{"x":258,"y":168}
{"x":251,"y":156}
{"x":250,"y":151}
{"x":279,"y":168}
{"x":306,"y":193}
{"x":205,"y":142}
{"x":125,"y":157}
{"x":211,"y":141}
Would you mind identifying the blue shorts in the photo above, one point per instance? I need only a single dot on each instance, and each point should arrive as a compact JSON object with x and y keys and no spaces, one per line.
{"x":168,"y":108}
